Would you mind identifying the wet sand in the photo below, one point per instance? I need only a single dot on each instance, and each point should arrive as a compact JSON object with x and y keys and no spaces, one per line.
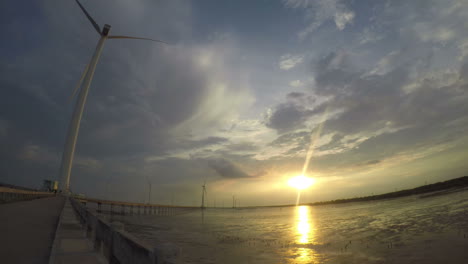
{"x":416,"y":229}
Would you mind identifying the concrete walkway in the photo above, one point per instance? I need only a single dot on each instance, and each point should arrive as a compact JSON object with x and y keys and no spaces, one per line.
{"x":27,"y":230}
{"x":71,"y":245}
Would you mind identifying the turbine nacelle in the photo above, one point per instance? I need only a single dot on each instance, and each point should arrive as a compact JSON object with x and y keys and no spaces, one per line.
{"x":105,"y":30}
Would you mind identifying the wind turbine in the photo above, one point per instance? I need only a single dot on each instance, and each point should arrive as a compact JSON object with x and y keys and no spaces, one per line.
{"x":203,"y":195}
{"x":149,"y":191}
{"x":72,"y":134}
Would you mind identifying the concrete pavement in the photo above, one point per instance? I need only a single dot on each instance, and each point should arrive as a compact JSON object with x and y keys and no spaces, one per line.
{"x":71,"y":246}
{"x":27,"y":230}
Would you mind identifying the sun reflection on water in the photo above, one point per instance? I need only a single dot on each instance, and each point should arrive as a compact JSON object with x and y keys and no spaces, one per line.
{"x":303,"y":225}
{"x":304,"y":235}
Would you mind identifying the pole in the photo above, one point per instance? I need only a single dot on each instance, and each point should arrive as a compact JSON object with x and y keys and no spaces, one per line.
{"x":203,"y":197}
{"x":74,"y":127}
{"x":149,"y":194}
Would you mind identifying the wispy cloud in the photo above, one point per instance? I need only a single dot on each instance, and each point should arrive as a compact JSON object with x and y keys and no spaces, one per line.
{"x":296,"y":83}
{"x":289,"y":61}
{"x":317,"y":12}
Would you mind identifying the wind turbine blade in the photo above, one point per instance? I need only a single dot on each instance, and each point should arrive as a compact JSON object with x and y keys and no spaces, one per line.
{"x":78,"y":85}
{"x":95,"y":25}
{"x":128,"y":37}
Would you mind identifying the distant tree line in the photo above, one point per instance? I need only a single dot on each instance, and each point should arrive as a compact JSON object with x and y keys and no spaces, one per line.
{"x":439,"y":186}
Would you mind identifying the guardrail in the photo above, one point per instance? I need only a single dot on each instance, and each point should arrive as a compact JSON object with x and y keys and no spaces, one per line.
{"x":112,"y":207}
{"x":117,"y":246}
{"x":8,"y":195}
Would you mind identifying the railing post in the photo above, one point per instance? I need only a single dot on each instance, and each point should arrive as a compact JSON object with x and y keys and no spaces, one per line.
{"x":99,"y":207}
{"x":112,"y":208}
{"x":122,"y":209}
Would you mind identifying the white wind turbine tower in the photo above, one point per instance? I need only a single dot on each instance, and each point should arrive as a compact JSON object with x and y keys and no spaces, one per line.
{"x":69,"y":151}
{"x":203,"y":195}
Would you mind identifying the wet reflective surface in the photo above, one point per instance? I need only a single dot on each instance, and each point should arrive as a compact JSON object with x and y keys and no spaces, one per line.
{"x":305,"y":234}
{"x":416,"y":229}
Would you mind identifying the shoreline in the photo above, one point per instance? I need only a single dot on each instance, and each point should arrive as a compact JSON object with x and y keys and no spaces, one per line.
{"x":434,"y":189}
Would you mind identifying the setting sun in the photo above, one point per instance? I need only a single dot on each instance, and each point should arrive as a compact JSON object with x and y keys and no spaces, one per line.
{"x":300,"y":182}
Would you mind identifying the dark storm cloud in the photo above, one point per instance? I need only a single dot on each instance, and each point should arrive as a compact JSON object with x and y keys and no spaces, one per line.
{"x":295,"y":95}
{"x":292,"y":114}
{"x":287,"y":117}
{"x":140,"y":90}
{"x":227,"y":169}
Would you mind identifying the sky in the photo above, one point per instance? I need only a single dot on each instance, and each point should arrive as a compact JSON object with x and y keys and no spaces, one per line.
{"x":373,"y":94}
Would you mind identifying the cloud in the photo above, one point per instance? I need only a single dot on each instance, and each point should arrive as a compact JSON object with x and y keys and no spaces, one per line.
{"x":378,"y":100}
{"x":227,"y":169}
{"x":402,"y":95}
{"x":36,"y":153}
{"x":194,"y":144}
{"x":395,"y":91}
{"x":287,"y":117}
{"x":146,"y":100}
{"x":296,"y":83}
{"x":320,"y":11}
{"x":343,"y":18}
{"x":292,"y":114}
{"x":3,"y":128}
{"x":463,"y":47}
{"x":242,"y":147}
{"x":372,"y":162}
{"x":289,"y":61}
{"x":301,"y":138}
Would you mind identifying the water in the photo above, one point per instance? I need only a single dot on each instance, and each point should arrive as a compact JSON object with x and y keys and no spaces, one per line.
{"x":416,"y":229}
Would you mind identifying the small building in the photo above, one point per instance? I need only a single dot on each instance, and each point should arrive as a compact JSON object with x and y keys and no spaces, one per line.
{"x":50,"y":186}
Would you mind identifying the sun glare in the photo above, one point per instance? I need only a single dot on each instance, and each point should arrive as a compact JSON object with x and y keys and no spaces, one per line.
{"x":300,"y":182}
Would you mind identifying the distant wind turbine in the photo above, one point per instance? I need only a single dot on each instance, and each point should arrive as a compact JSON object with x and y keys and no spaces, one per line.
{"x":149,"y":191}
{"x":69,"y":151}
{"x":203,"y":195}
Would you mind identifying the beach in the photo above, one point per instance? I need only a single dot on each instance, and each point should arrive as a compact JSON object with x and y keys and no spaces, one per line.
{"x":415,"y":229}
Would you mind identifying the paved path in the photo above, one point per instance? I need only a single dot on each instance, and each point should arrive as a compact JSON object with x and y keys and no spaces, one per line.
{"x":27,"y":230}
{"x":71,"y":245}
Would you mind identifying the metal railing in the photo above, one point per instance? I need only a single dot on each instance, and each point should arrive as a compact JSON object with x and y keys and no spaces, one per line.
{"x":116,"y":245}
{"x":123,"y":208}
{"x":8,"y":195}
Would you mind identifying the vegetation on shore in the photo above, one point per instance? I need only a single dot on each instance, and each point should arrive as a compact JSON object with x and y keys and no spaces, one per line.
{"x":434,"y":187}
